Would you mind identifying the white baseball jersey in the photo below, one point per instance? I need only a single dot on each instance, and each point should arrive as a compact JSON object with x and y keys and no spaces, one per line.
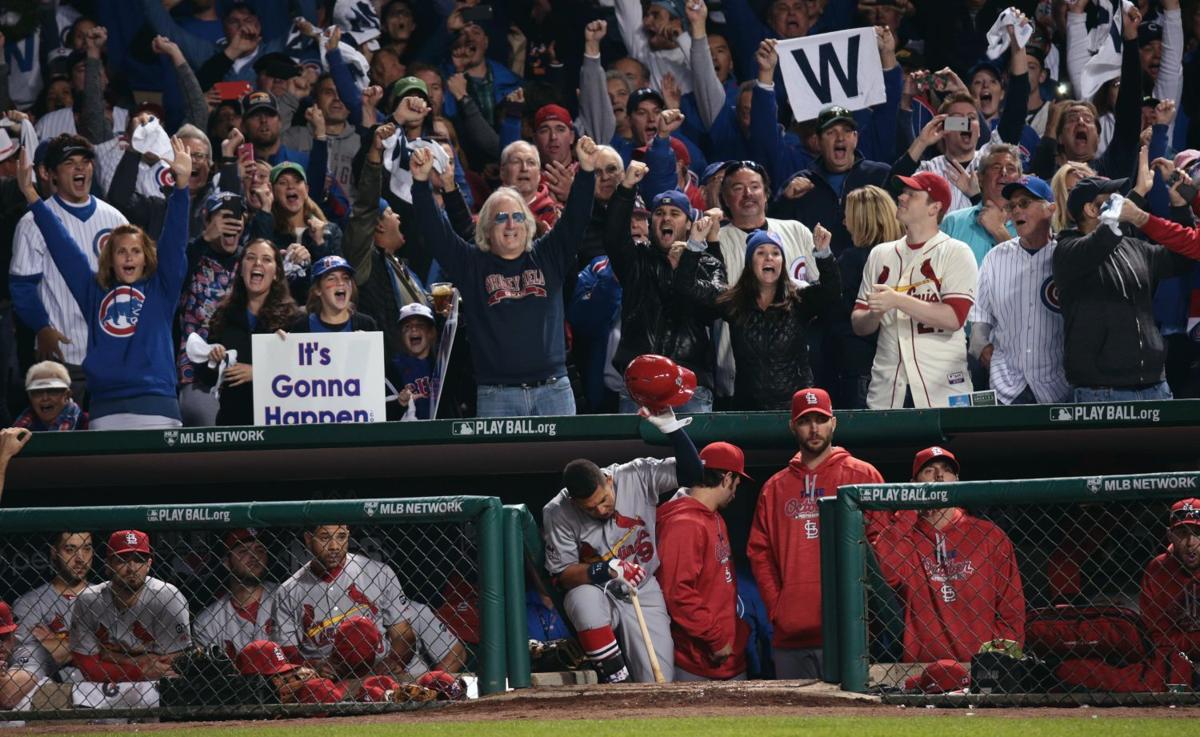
{"x":157,"y":623}
{"x":62,"y":121}
{"x":89,"y":226}
{"x":42,"y":606}
{"x":1018,"y":298}
{"x":232,"y":627}
{"x":434,"y":639}
{"x":801,"y":266}
{"x":939,"y":166}
{"x":307,"y":608}
{"x":910,"y":355}
{"x":572,"y":536}
{"x":151,"y":180}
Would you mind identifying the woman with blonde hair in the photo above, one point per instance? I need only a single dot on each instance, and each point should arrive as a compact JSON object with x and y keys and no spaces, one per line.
{"x":1065,"y":179}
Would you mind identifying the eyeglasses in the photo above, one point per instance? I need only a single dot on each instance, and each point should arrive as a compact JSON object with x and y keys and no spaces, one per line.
{"x":1012,"y":205}
{"x":199,"y":156}
{"x":1081,"y":118}
{"x":504,"y":217}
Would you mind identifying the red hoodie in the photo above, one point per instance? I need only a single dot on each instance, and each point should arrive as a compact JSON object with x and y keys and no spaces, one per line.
{"x":700,"y":587}
{"x":1171,"y":604}
{"x":785,"y":542}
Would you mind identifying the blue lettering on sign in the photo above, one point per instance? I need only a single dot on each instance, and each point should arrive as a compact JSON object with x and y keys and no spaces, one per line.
{"x":277,"y":416}
{"x":827,"y":59}
{"x":283,"y":386}
{"x":21,"y":54}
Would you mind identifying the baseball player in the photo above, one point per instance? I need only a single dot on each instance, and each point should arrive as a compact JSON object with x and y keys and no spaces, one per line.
{"x":917,"y":292}
{"x":131,"y":627}
{"x":437,"y":647}
{"x":956,"y":574}
{"x":8,"y":634}
{"x":1170,"y":599}
{"x":241,"y":614}
{"x":334,"y":586}
{"x":40,"y":295}
{"x":44,"y":614}
{"x":784,"y":547}
{"x":1016,"y":321}
{"x":697,"y":576}
{"x":600,"y":528}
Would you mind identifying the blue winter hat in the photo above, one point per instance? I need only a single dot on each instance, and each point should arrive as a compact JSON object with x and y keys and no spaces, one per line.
{"x":710,"y":171}
{"x":673,"y":198}
{"x":330,"y":263}
{"x":762,"y":238}
{"x":1033,"y":185}
{"x":223,"y":200}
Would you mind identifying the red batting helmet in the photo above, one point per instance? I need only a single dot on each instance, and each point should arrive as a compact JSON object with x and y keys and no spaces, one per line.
{"x":656,"y":382}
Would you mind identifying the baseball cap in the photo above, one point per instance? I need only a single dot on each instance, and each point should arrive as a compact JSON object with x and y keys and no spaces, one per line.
{"x":319,"y":691}
{"x":7,"y":625}
{"x":672,"y":198}
{"x":934,"y":184}
{"x":128,"y":541}
{"x":375,"y":688}
{"x":263,"y":658}
{"x":762,"y":238}
{"x":811,"y":399}
{"x":258,"y":102}
{"x":1183,"y":160}
{"x":233,"y":538}
{"x":405,"y":86}
{"x":39,"y":153}
{"x":941,"y":676}
{"x":1185,"y":512}
{"x":356,"y":642}
{"x":644,"y":93}
{"x":984,"y":65}
{"x":551,"y":112}
{"x":222,"y":200}
{"x":710,"y":171}
{"x":1033,"y":185}
{"x":1148,"y":31}
{"x":674,"y":7}
{"x":8,"y":145}
{"x":416,"y":309}
{"x":277,"y":65}
{"x":722,"y":456}
{"x":64,"y":147}
{"x":47,"y":375}
{"x":290,"y":166}
{"x":330,"y":263}
{"x":1089,"y":189}
{"x":831,"y":115}
{"x":931,"y":454}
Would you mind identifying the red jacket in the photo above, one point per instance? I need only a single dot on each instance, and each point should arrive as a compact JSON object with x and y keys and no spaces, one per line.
{"x":960,"y":586}
{"x":1171,"y":604}
{"x":700,"y":588}
{"x":785,"y":544}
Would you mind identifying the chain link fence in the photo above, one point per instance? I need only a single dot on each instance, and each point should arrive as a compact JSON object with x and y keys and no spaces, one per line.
{"x":281,"y":609}
{"x":1062,"y":591}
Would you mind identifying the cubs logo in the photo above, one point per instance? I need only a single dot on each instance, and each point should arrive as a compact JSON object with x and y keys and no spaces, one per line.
{"x":798,"y":270}
{"x":165,"y":177}
{"x":1050,"y":296}
{"x":100,"y":240}
{"x":119,"y":311}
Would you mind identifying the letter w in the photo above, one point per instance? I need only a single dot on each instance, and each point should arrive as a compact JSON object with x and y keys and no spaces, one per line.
{"x":827,"y":58}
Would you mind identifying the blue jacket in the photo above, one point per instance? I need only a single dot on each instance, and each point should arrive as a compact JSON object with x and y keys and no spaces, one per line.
{"x":503,"y":83}
{"x":130,"y":364}
{"x":822,"y":204}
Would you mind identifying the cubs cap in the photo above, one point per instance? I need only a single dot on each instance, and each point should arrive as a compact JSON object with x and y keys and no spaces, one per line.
{"x":831,"y":115}
{"x":931,"y":454}
{"x":934,"y":184}
{"x":1185,"y":512}
{"x":984,"y":65}
{"x":762,"y":238}
{"x":1033,"y":185}
{"x":811,"y":399}
{"x":288,"y":166}
{"x":672,"y":198}
{"x":722,"y":456}
{"x":710,"y":171}
{"x":551,"y":112}
{"x":1149,"y":31}
{"x":357,"y":642}
{"x":1089,"y":189}
{"x":258,"y":102}
{"x":7,"y":625}
{"x":645,"y":93}
{"x":331,"y":263}
{"x":416,"y":309}
{"x":62,"y":148}
{"x":941,"y":676}
{"x":128,"y":541}
{"x":263,"y":658}
{"x":222,"y":200}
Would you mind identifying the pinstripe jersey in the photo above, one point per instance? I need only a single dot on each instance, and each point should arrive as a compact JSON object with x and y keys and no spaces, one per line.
{"x":62,"y":121}
{"x":1018,"y":298}
{"x":908,"y":354}
{"x":89,"y":226}
{"x":938,"y":165}
{"x":156,"y":623}
{"x":231,"y":628}
{"x":47,"y":607}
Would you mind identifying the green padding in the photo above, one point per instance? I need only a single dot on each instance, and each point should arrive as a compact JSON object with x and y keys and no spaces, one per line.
{"x":492,"y":645}
{"x":830,"y":641}
{"x":252,"y":514}
{"x":851,"y":595}
{"x":517,"y":631}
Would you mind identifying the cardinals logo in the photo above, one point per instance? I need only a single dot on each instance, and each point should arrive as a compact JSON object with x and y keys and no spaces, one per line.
{"x":927,"y":272}
{"x":627,"y":523}
{"x":142,"y":633}
{"x":361,"y":599}
{"x":883,"y":276}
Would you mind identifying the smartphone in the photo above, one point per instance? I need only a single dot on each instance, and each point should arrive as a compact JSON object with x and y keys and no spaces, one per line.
{"x":232,"y":90}
{"x":958,"y":123}
{"x":477,"y":14}
{"x":245,"y":153}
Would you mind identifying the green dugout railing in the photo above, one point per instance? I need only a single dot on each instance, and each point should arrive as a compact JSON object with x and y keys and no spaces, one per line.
{"x":521,"y":539}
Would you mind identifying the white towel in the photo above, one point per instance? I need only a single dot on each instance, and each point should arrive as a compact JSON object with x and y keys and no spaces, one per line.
{"x":150,"y":138}
{"x":1110,"y":214}
{"x":997,"y":37}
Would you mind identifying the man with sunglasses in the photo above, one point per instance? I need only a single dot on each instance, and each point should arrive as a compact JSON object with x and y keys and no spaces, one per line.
{"x":131,"y":627}
{"x":1170,"y":599}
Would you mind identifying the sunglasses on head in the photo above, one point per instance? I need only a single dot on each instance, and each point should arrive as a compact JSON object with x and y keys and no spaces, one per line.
{"x":504,"y":217}
{"x":732,"y":166}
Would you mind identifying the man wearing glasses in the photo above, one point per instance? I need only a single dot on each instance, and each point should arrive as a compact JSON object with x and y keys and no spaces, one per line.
{"x":131,"y":627}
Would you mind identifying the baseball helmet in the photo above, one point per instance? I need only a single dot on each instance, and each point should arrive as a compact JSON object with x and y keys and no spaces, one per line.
{"x":656,"y":382}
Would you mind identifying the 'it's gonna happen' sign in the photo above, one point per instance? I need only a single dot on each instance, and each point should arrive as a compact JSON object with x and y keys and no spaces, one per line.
{"x":316,"y":378}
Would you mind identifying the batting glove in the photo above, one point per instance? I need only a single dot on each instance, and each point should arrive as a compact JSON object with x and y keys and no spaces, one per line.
{"x":628,"y":571}
{"x":665,"y":421}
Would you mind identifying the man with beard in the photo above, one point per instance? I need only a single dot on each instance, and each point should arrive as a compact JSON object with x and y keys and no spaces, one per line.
{"x":341,"y":137}
{"x":333,"y":586}
{"x":655,"y":37}
{"x":785,"y":537}
{"x":45,"y":618}
{"x":131,"y":627}
{"x":261,"y":127}
{"x":241,"y":614}
{"x":1171,"y":584}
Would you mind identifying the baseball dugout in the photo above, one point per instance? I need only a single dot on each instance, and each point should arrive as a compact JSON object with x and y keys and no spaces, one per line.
{"x":251,"y":610}
{"x":1046,"y":591}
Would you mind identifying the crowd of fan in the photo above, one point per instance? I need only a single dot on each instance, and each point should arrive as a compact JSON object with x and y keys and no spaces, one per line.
{"x":592,"y":196}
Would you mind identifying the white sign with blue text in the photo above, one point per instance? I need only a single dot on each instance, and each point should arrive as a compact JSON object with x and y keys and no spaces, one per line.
{"x":317,"y":378}
{"x":840,"y":68}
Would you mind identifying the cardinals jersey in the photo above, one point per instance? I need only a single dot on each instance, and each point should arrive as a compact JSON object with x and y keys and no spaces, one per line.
{"x":572,"y":536}
{"x":230,"y":627}
{"x":307,"y":608}
{"x":434,"y":639}
{"x":43,"y":606}
{"x":157,"y":623}
{"x":910,"y":355}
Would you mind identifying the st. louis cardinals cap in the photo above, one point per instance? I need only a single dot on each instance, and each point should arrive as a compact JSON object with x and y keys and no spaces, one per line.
{"x":128,"y":541}
{"x":722,"y":456}
{"x":7,"y":625}
{"x":811,"y":399}
{"x":931,"y":454}
{"x":263,"y":658}
{"x":233,"y":538}
{"x":356,"y":642}
{"x":1185,"y":512}
{"x":935,"y":185}
{"x":941,"y":676}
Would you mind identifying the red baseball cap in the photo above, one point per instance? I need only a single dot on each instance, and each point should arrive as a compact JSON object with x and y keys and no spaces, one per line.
{"x":551,"y":112}
{"x":319,"y":691}
{"x":356,"y":642}
{"x":935,"y":184}
{"x":811,"y":400}
{"x":930,"y":454}
{"x":263,"y":658}
{"x":128,"y":541}
{"x":375,"y":688}
{"x":1185,"y":512}
{"x":7,"y":625}
{"x":723,"y":456}
{"x":941,"y":676}
{"x":234,"y":538}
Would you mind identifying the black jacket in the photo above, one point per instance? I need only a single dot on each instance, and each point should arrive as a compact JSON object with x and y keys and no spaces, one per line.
{"x":237,"y":402}
{"x":657,"y":317}
{"x":1106,"y":283}
{"x":822,"y":204}
{"x":770,"y":347}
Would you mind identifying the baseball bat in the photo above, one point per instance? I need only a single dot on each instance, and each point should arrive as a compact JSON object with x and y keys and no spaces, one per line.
{"x":637,"y":609}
